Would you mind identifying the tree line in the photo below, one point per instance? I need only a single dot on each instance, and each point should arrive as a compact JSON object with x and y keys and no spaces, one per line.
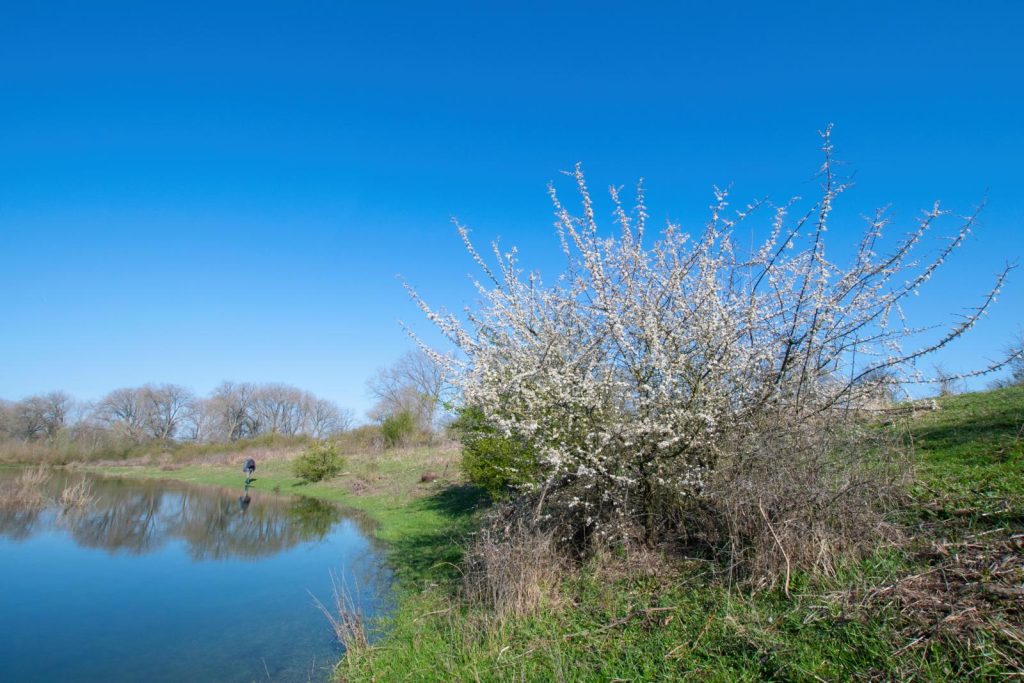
{"x":408,"y":402}
{"x":171,"y":412}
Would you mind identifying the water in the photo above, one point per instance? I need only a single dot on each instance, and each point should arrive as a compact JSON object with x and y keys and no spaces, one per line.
{"x":161,"y":581}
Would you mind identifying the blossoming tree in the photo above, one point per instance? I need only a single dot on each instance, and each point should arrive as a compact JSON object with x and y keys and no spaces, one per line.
{"x":646,"y":363}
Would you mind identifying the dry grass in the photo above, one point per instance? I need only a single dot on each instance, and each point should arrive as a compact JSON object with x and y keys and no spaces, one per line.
{"x":399,"y":471}
{"x":970,"y":587}
{"x":803,"y":500}
{"x":514,"y":570}
{"x":35,"y":477}
{"x":76,"y":497}
{"x":347,"y":619}
{"x":26,"y":491}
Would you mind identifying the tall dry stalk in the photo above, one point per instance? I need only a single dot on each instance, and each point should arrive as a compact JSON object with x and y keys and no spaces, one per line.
{"x":347,"y":619}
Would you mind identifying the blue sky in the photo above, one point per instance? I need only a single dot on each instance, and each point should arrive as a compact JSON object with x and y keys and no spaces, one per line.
{"x":192,"y":192}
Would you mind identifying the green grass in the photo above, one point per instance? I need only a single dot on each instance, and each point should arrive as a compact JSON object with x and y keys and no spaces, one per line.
{"x":971,"y":457}
{"x":683,"y":624}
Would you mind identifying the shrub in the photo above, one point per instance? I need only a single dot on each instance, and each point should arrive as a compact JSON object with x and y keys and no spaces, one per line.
{"x":361,"y":438}
{"x":397,"y":429}
{"x":496,"y":463}
{"x":647,"y":366}
{"x":320,"y":461}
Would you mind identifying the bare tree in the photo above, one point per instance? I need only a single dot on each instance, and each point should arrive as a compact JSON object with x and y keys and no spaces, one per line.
{"x":42,"y":416}
{"x":1016,"y":353}
{"x":166,"y":406}
{"x":170,"y":411}
{"x":948,"y":382}
{"x":28,"y":418}
{"x":413,"y":384}
{"x":281,"y":408}
{"x":125,"y":411}
{"x":231,"y":410}
{"x":326,"y":418}
{"x":57,"y":410}
{"x":199,"y":422}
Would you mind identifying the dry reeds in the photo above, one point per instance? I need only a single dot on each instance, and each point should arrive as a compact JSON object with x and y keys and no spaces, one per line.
{"x":26,"y":490}
{"x":513,"y":569}
{"x":76,"y":497}
{"x":349,"y":624}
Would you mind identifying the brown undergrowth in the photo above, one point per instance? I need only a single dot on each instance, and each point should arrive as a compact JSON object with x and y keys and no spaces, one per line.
{"x":961,"y":591}
{"x":514,"y":570}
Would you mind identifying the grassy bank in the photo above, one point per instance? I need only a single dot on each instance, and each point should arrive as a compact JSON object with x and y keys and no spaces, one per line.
{"x":422,"y":521}
{"x":943,"y":603}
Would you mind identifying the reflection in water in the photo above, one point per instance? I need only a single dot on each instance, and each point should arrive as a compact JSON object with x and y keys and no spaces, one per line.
{"x":114,"y":627}
{"x":139,"y":517}
{"x":245,"y":498}
{"x":18,"y":523}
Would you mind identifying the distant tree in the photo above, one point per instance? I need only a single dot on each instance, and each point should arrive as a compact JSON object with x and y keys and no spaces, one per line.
{"x":57,"y":410}
{"x":167,"y":406}
{"x":7,"y":422}
{"x":1015,"y":351}
{"x":42,"y":416}
{"x":28,"y":418}
{"x":165,"y":412}
{"x":231,"y":410}
{"x":325,"y":418}
{"x":125,"y":411}
{"x":413,"y":385}
{"x":197,"y":422}
{"x":947,"y":382}
{"x":282,"y":409}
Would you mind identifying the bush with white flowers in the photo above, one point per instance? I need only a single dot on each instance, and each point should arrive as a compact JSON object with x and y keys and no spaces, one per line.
{"x":648,"y":363}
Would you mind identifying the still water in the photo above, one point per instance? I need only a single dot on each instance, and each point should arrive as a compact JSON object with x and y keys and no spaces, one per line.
{"x":161,"y":581}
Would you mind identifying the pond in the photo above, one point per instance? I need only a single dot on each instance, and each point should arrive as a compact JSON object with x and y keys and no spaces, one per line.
{"x":163,"y":581}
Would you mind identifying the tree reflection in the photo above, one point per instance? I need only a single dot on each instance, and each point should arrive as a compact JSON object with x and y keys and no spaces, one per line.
{"x":141,"y":516}
{"x":19,"y":523}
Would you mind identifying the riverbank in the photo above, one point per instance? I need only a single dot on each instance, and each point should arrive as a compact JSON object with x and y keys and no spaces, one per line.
{"x":415,"y":496}
{"x":944,"y":603}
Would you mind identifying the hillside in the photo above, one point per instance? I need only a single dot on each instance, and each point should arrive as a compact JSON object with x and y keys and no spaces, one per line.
{"x":945,"y":603}
{"x":942,"y":601}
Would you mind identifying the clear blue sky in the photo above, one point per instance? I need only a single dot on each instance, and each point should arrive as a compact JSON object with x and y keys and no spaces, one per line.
{"x":192,"y":192}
